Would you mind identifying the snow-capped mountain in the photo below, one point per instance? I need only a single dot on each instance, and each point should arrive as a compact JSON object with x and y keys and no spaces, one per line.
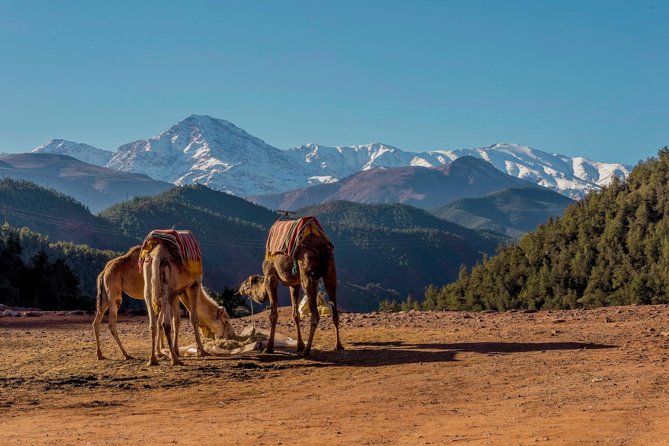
{"x":327,"y":164}
{"x":210,"y":151}
{"x":82,"y":152}
{"x":215,"y":152}
{"x":573,"y":177}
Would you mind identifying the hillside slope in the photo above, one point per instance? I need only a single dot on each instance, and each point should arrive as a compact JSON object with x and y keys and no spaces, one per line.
{"x":94,"y":186}
{"x":512,"y":212}
{"x":57,"y":215}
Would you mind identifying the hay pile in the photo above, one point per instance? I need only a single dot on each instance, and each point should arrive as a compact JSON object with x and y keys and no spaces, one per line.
{"x":250,"y":339}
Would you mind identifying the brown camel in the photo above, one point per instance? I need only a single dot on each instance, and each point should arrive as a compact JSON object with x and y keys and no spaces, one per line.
{"x":315,"y":260}
{"x":121,"y":275}
{"x":165,"y":278}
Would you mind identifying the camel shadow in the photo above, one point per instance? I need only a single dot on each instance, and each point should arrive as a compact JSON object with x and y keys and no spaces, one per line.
{"x":494,"y":347}
{"x":379,"y":354}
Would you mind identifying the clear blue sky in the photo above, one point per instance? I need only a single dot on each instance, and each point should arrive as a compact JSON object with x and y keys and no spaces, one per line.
{"x":577,"y":77}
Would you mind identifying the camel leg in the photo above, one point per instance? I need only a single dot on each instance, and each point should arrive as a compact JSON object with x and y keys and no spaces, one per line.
{"x":271,"y":284}
{"x":168,"y":298}
{"x":176,"y":321}
{"x":153,"y":326}
{"x":113,"y":320}
{"x":153,"y":320}
{"x":330,"y":282}
{"x":311,"y":290}
{"x":162,"y":343}
{"x":100,"y":313}
{"x":193,"y":295}
{"x":295,"y":300}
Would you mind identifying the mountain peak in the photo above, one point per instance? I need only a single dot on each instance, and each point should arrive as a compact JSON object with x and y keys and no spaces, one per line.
{"x":82,"y":152}
{"x":211,"y":151}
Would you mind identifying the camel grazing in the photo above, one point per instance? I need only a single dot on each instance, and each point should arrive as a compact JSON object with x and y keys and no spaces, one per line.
{"x":308,"y":257}
{"x":121,"y":275}
{"x":166,"y":277}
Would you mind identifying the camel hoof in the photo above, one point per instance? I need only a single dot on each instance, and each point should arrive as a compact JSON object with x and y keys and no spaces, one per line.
{"x":268,"y":350}
{"x":306,"y":353}
{"x":101,"y":357}
{"x":177,"y":362}
{"x":128,"y":357}
{"x":203,"y":353}
{"x":339,"y":347}
{"x":152,"y":362}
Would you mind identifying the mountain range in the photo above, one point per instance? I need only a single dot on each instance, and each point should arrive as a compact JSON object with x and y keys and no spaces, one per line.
{"x":418,"y":186}
{"x":205,"y":150}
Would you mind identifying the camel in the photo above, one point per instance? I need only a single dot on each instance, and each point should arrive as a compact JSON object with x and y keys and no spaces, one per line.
{"x":122,"y":275}
{"x":165,"y":278}
{"x":315,"y":260}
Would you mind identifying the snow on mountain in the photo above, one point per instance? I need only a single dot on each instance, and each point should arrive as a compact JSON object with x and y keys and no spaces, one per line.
{"x":82,"y":152}
{"x":214,"y":152}
{"x":573,"y":177}
{"x":340,"y":162}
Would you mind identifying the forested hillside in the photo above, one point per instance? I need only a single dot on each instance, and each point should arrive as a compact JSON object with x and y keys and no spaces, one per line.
{"x":609,"y":249}
{"x":40,"y":282}
{"x":61,"y":217}
{"x":84,"y":261}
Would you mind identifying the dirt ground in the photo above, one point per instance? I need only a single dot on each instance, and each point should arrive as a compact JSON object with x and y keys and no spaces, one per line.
{"x":563,"y":377}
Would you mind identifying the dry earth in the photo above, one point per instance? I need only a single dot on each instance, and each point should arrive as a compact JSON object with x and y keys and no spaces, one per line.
{"x":564,"y":377}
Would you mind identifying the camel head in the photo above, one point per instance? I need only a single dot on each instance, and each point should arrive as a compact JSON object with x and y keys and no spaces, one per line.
{"x":255,"y":287}
{"x":220,"y":328}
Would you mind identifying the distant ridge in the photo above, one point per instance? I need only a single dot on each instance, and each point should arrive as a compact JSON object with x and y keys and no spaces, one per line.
{"x":512,"y":212}
{"x":94,"y":186}
{"x":80,"y":151}
{"x":422,"y":187}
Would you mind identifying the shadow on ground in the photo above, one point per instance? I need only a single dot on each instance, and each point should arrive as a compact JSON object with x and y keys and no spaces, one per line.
{"x":376,"y":354}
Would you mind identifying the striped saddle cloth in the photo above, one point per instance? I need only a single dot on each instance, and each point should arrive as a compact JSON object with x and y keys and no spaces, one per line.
{"x":286,"y":236}
{"x":181,"y":243}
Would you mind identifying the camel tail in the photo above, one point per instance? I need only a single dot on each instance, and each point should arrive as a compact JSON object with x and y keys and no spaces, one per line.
{"x":157,"y":278}
{"x":101,"y":296}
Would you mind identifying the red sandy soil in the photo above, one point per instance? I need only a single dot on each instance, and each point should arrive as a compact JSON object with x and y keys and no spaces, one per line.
{"x":561,"y":377}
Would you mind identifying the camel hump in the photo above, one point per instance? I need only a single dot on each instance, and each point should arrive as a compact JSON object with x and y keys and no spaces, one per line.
{"x":182,"y":245}
{"x":286,"y":236}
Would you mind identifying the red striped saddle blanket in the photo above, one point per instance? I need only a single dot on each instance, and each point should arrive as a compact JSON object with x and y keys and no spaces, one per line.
{"x":286,"y":236}
{"x":181,"y":242}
